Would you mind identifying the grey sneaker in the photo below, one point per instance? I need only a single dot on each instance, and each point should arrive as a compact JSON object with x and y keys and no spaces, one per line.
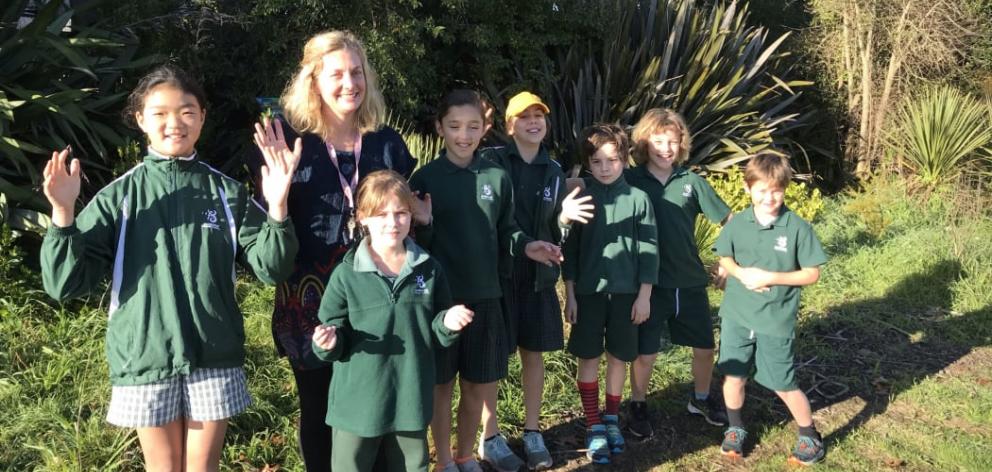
{"x":538,"y":457}
{"x":497,"y":453}
{"x":470,"y":466}
{"x":710,"y":409}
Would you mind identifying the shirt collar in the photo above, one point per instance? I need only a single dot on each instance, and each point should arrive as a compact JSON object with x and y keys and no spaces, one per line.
{"x":415,"y":255}
{"x":542,"y":157}
{"x":783,"y":219}
{"x":474,"y":166}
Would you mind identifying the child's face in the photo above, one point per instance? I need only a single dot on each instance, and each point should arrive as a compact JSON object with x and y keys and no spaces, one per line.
{"x":341,"y":82}
{"x":529,"y":126}
{"x":390,"y":224}
{"x":663,"y":148}
{"x":462,"y":128}
{"x":766,"y":196}
{"x":172,"y":120}
{"x":606,"y":165}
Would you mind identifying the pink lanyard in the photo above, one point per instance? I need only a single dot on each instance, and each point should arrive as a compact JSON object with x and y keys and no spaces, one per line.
{"x":347,"y":187}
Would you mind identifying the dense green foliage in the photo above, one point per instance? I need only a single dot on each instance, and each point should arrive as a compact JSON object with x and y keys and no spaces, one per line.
{"x":57,"y":88}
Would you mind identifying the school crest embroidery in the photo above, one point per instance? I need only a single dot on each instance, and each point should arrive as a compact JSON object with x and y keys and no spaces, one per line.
{"x":781,"y":244}
{"x":547,"y":194}
{"x":210,"y":219}
{"x":687,"y":190}
{"x":421,"y":288}
{"x":487,"y":192}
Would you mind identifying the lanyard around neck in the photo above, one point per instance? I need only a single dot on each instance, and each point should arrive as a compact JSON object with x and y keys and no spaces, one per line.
{"x":347,"y":187}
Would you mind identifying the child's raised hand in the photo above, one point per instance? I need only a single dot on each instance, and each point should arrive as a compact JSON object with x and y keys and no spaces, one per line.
{"x":575,"y":208}
{"x":423,"y":210}
{"x":457,"y":317}
{"x":61,"y":187}
{"x":544,"y":252}
{"x":280,"y":164}
{"x":641,"y":310}
{"x":719,"y":275}
{"x":325,"y":336}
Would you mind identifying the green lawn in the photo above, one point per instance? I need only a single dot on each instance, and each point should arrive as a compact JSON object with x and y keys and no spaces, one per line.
{"x":894,"y":346}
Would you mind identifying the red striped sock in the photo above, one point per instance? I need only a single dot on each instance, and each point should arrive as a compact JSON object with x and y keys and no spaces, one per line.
{"x":612,"y":404}
{"x":589,"y":392}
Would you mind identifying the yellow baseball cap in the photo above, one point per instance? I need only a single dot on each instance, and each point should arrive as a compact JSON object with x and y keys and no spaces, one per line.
{"x":523,"y":101}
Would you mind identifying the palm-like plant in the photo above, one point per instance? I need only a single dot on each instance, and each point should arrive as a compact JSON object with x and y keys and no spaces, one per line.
{"x":938,"y":132}
{"x":724,"y":76}
{"x":55,"y":90}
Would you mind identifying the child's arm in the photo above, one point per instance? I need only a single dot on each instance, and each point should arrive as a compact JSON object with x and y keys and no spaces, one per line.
{"x":571,"y":305}
{"x":647,"y":244}
{"x":641,"y":310}
{"x":448,"y":323}
{"x":760,"y":280}
{"x":330,"y":339}
{"x":75,"y":255}
{"x":512,"y":238}
{"x":423,"y":229}
{"x":269,"y":245}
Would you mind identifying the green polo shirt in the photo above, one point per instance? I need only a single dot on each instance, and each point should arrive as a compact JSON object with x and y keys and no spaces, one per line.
{"x":677,"y":203}
{"x":473,"y":223}
{"x":387,"y":334}
{"x":617,"y":250}
{"x":786,"y":245}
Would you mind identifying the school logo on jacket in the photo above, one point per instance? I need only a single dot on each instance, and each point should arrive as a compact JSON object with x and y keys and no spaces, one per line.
{"x":687,"y":190}
{"x":547,"y":194}
{"x":210,"y":220}
{"x":487,"y":192}
{"x":781,"y":244}
{"x":421,"y":288}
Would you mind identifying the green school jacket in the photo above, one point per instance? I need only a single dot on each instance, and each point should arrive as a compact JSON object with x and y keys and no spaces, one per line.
{"x":677,"y":203}
{"x":546,"y":209}
{"x":168,"y":232}
{"x":386,"y":335}
{"x":617,"y":250}
{"x":473,"y":223}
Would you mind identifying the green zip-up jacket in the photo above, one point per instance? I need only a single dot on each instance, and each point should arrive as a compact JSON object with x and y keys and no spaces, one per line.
{"x":168,"y":232}
{"x":617,"y":250}
{"x":545,"y":207}
{"x":386,"y":335}
{"x":473,"y":223}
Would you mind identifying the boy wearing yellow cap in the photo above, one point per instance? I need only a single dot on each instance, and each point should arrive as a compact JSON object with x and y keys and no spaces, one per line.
{"x":543,"y":211}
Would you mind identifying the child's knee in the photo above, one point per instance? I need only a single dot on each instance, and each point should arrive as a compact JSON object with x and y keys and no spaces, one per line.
{"x":734,"y":381}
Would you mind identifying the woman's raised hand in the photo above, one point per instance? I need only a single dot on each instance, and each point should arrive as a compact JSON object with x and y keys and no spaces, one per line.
{"x":61,"y":187}
{"x":280,"y":164}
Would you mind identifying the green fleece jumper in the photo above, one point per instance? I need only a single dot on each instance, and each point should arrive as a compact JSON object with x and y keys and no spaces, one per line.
{"x":168,"y":232}
{"x":387,"y":332}
{"x":617,"y":250}
{"x":677,"y":203}
{"x":539,"y":188}
{"x":473,"y":223}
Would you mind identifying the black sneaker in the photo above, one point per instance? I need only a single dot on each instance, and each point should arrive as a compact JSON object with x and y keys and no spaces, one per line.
{"x":710,"y":409}
{"x":639,"y":423}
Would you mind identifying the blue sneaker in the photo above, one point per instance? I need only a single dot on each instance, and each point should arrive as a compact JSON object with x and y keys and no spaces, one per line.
{"x":597,"y":446}
{"x":733,"y":443}
{"x":613,"y":435}
{"x":808,"y":451}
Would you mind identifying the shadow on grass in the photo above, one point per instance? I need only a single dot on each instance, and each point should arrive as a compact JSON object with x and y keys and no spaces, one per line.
{"x":872,"y":350}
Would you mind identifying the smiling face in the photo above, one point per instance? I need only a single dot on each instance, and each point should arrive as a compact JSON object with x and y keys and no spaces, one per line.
{"x":172,"y":119}
{"x":389,"y":224}
{"x":663,"y":149}
{"x":462,"y":128}
{"x":341,"y":83}
{"x":767,"y":197}
{"x":529,"y":127}
{"x":606,"y":165}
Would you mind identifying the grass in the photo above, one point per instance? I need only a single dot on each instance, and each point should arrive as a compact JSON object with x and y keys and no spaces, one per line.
{"x":894,"y":343}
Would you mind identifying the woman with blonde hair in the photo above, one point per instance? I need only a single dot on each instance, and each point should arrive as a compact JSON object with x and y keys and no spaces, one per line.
{"x":334,"y":111}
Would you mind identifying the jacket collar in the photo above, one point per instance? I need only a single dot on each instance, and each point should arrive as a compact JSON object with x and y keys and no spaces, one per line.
{"x":415,"y":255}
{"x":451,"y":168}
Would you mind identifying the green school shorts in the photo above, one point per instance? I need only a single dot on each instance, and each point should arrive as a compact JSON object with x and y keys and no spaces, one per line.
{"x":685,"y":312}
{"x":481,"y":354}
{"x":402,"y":450}
{"x":604,"y":315}
{"x":769,"y":358}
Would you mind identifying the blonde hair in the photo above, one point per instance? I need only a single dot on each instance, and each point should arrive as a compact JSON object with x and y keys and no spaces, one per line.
{"x":301,"y":100}
{"x":657,"y":120}
{"x":377,"y":187}
{"x":768,"y":166}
